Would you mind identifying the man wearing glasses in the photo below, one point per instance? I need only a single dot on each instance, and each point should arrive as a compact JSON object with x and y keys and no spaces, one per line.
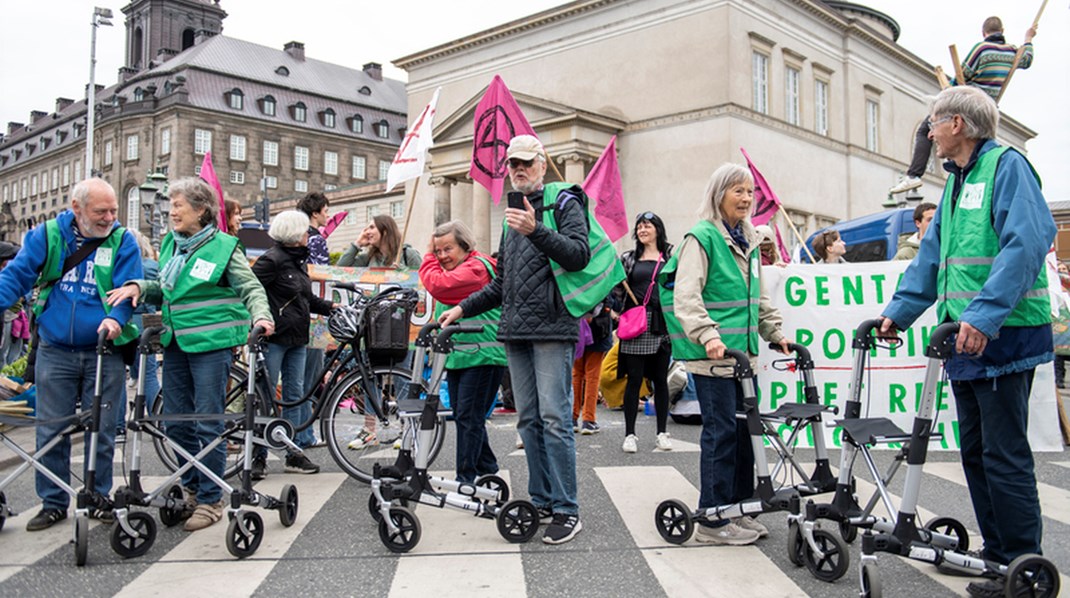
{"x":538,"y":331}
{"x":983,"y":265}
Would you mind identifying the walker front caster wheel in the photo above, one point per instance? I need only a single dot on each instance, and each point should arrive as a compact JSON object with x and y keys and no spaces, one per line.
{"x":81,"y":540}
{"x":835,"y":560}
{"x":673,"y":520}
{"x":795,"y":545}
{"x":244,"y":534}
{"x":870,"y":582}
{"x":518,"y":521}
{"x":129,"y":546}
{"x":407,"y":535}
{"x":288,"y":509}
{"x":1032,"y":575}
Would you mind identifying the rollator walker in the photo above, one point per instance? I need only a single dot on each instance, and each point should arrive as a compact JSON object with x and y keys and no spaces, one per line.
{"x":135,"y":531}
{"x":87,"y":420}
{"x":407,"y":482}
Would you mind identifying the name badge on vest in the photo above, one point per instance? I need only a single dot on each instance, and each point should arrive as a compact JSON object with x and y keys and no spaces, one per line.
{"x":202,"y":270}
{"x":103,"y":257}
{"x":973,"y":195}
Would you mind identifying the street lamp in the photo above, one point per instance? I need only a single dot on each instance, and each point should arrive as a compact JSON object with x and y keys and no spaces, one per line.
{"x":155,"y":205}
{"x":100,"y":17}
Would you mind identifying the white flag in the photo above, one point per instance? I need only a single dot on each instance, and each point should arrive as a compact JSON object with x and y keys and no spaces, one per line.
{"x":409,"y":160}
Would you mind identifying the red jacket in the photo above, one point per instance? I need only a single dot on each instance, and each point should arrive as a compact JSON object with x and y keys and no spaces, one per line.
{"x":453,"y":286}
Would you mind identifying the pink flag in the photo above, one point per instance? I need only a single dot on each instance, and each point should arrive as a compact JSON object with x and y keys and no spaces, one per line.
{"x":766,"y":203}
{"x":208,"y":174}
{"x":333,"y":223}
{"x":604,"y":185}
{"x":498,"y":119}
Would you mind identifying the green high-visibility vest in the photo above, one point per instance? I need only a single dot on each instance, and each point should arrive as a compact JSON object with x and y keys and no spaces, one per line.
{"x":969,"y":245}
{"x":199,"y":314}
{"x":586,"y":288}
{"x":103,"y":265}
{"x":474,"y":349}
{"x":730,"y":299}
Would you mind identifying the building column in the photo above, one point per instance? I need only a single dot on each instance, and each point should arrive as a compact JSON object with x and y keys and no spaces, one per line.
{"x":575,"y":167}
{"x":442,"y":197}
{"x":461,"y":202}
{"x":480,"y":224}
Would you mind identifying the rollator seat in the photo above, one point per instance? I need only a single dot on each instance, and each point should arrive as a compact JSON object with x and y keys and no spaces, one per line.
{"x":788,"y":411}
{"x":873,"y":430}
{"x":413,"y":407}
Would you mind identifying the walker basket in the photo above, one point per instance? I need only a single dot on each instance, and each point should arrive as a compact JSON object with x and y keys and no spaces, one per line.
{"x":386,"y":328}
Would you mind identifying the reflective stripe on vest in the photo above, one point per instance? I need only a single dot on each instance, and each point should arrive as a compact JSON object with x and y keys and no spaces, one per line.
{"x":476,"y":349}
{"x":737,"y":319}
{"x":199,"y":314}
{"x":53,"y":269}
{"x":969,"y":244}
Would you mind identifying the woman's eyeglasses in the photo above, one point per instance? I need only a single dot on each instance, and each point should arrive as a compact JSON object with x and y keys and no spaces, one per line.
{"x":645,"y":216}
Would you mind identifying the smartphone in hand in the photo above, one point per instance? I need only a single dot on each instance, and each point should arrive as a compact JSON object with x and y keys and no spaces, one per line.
{"x":515,"y":200}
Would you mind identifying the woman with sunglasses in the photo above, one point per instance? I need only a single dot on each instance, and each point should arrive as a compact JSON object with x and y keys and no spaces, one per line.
{"x":829,"y":248}
{"x":647,"y":355}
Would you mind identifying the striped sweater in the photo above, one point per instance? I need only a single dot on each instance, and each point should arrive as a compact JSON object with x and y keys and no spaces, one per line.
{"x":989,"y":62}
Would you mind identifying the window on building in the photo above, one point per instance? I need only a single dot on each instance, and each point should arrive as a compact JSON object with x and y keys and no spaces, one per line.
{"x":821,"y":107}
{"x":356,"y":124}
{"x":329,"y":187}
{"x":107,"y":152}
{"x":42,"y":144}
{"x":382,"y":129}
{"x":360,"y":165}
{"x":197,"y":170}
{"x":872,"y":125}
{"x":285,"y":72}
{"x":791,"y":96}
{"x":299,"y":112}
{"x":7,"y":193}
{"x":397,"y":209}
{"x":131,"y":147}
{"x":77,"y":171}
{"x":328,"y":118}
{"x":235,"y":99}
{"x":760,"y":76}
{"x":267,"y":105}
{"x":372,"y":212}
{"x":237,"y":177}
{"x":25,"y":188}
{"x":202,"y":141}
{"x":66,"y":175}
{"x":55,"y":178}
{"x":237,"y":147}
{"x":139,"y":94}
{"x":301,"y":186}
{"x":300,"y":158}
{"x":133,"y":209}
{"x":165,"y":140}
{"x":33,"y":185}
{"x":384,"y":168}
{"x":271,"y":182}
{"x":271,"y":153}
{"x":330,"y":162}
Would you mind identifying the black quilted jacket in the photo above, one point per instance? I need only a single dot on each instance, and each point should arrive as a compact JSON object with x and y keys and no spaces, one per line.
{"x":532,"y":308}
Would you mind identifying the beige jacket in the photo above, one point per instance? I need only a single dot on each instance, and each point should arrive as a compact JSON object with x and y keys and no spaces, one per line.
{"x":692,"y":268}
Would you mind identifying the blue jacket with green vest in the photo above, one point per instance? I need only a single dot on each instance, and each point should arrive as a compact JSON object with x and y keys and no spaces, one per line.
{"x":74,"y":308}
{"x":1024,"y":226}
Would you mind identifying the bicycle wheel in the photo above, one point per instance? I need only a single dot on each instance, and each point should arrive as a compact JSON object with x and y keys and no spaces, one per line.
{"x":233,"y":403}
{"x":343,"y":418}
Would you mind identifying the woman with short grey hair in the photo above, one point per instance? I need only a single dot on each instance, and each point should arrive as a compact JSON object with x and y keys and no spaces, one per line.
{"x":283,"y":271}
{"x":200,"y":196}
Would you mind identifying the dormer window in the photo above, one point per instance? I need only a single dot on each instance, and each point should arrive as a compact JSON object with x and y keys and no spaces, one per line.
{"x":299,"y":112}
{"x":267,"y":105}
{"x":235,"y":99}
{"x":139,"y":94}
{"x":285,"y":72}
{"x":365,"y":91}
{"x":43,"y":144}
{"x":327,"y":118}
{"x":356,"y":124}
{"x":382,"y":129}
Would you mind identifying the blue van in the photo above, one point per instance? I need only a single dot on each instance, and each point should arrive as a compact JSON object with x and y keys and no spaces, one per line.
{"x":873,"y":238}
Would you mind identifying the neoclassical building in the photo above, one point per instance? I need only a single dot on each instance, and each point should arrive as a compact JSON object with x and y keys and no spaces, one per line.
{"x":818,"y":92}
{"x":271,"y":117}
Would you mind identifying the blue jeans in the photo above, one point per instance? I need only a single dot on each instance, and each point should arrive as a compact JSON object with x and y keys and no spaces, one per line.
{"x":472,"y":392}
{"x":542,"y":389}
{"x":726,"y":465}
{"x":65,"y":379}
{"x":290,"y":361}
{"x":313,"y":367}
{"x":197,"y":383}
{"x":997,"y":460}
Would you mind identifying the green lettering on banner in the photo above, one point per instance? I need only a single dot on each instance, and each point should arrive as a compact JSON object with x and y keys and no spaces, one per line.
{"x":834,"y":334}
{"x":821,"y":292}
{"x":852,"y":290}
{"x":926,"y":333}
{"x":830,"y":393}
{"x":804,"y":337}
{"x":777,"y":391}
{"x":941,"y":396}
{"x":943,"y":437}
{"x":911,"y":347}
{"x":896,"y":392}
{"x":795,"y":296}
{"x":837,"y":437}
{"x":955,"y":432}
{"x":878,"y":281}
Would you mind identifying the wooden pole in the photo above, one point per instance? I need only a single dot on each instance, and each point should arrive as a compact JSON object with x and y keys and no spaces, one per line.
{"x":554,"y":167}
{"x":960,"y":79}
{"x":799,"y":237}
{"x":1018,"y":55}
{"x":941,"y":77}
{"x":408,"y":217}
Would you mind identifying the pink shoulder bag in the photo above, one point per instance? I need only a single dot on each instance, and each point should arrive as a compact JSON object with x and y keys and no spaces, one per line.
{"x":633,"y":321}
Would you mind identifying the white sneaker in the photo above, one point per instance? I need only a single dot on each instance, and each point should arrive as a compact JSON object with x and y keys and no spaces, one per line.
{"x":662,"y":442}
{"x":631,"y":444}
{"x":726,"y":535}
{"x":519,"y":441}
{"x":905,"y":184}
{"x":750,"y":523}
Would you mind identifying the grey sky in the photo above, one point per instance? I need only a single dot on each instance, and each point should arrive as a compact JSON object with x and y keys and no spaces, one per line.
{"x":44,"y":50}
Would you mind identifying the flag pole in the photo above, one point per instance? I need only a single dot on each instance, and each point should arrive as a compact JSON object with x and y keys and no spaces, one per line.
{"x":408,"y":216}
{"x":1019,"y":53}
{"x":802,"y":241}
{"x":554,"y":167}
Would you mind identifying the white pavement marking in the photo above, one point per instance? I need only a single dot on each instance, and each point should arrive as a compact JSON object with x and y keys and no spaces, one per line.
{"x":481,"y":562}
{"x":696,"y":570}
{"x":217,"y":573}
{"x":33,"y":546}
{"x":1065,"y":464}
{"x":1054,"y":502}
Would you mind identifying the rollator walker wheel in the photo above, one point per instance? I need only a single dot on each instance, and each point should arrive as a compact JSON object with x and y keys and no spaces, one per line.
{"x":3,"y":509}
{"x":951,"y":527}
{"x":496,"y":484}
{"x":128,"y":546}
{"x":81,"y":540}
{"x":1031,"y":575}
{"x":518,"y":521}
{"x":373,"y":506}
{"x":847,"y":531}
{"x":172,"y":517}
{"x":271,"y":427}
{"x":408,"y":534}
{"x":240,"y":543}
{"x":836,"y":560}
{"x":795,"y":545}
{"x":870,"y":581}
{"x":673,"y":520}
{"x":288,"y":508}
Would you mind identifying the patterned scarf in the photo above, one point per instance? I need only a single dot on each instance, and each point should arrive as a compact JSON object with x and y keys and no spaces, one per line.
{"x":184,"y":247}
{"x":737,"y":235}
